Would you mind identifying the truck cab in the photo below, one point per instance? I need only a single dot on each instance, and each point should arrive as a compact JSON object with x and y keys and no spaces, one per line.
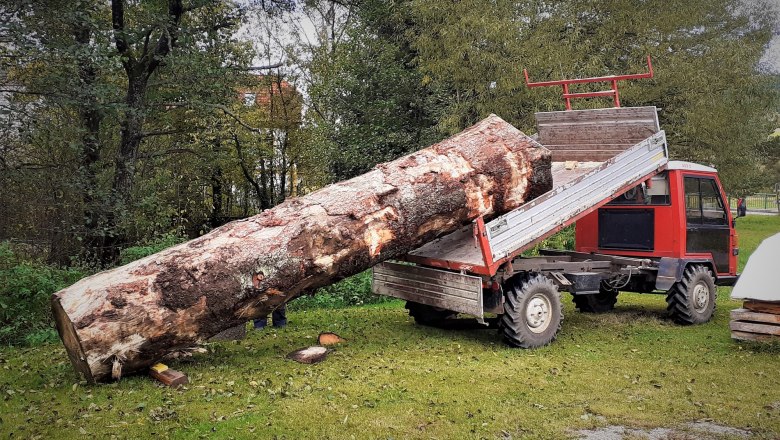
{"x":680,"y":214}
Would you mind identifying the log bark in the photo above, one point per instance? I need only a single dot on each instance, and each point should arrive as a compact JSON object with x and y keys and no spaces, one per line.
{"x":137,"y":313}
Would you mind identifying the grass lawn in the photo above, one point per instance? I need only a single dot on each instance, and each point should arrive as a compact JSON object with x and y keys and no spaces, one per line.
{"x":393,"y":379}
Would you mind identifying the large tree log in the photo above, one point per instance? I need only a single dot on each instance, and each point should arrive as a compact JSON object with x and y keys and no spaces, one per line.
{"x":124,"y":320}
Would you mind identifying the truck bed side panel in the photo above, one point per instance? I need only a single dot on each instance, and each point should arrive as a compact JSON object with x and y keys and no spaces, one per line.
{"x":528,"y":224}
{"x":448,"y":290}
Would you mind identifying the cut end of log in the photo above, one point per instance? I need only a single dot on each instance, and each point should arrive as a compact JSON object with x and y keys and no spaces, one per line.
{"x":309,"y":355}
{"x":71,"y":340}
{"x":329,"y":338}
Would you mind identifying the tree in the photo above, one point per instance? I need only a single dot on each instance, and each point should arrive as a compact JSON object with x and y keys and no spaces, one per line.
{"x":714,"y":101}
{"x":126,"y":75}
{"x":368,"y":103}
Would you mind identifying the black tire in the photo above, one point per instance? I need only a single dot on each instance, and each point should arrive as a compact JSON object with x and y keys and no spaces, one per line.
{"x":424,"y":314}
{"x":601,"y":302}
{"x":533,"y":312}
{"x":692,"y":300}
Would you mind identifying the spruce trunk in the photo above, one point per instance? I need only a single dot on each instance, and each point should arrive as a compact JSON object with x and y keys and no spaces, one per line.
{"x":124,"y":320}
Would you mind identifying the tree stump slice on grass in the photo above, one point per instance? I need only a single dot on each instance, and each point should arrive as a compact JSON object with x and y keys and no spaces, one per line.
{"x":137,"y":313}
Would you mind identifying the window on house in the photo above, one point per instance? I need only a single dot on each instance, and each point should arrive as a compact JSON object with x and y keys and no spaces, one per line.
{"x":249,"y":99}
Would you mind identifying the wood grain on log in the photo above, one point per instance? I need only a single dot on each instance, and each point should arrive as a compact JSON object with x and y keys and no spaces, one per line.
{"x":137,"y":313}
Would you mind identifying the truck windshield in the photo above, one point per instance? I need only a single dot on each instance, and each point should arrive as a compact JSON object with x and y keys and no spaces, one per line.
{"x":703,"y":204}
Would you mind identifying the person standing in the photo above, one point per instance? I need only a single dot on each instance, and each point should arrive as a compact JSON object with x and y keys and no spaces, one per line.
{"x":279,"y":317}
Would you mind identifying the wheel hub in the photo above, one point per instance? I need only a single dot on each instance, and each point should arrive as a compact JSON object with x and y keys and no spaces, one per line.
{"x":537,"y":313}
{"x":701,"y":296}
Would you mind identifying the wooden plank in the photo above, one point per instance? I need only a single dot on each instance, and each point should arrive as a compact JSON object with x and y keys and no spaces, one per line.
{"x":167,"y":376}
{"x":599,"y":156}
{"x":599,"y":134}
{"x":762,"y":306}
{"x":597,"y":114}
{"x":592,"y":146}
{"x":744,"y":336}
{"x":549,"y":133}
{"x":747,"y":315}
{"x":750,"y":327}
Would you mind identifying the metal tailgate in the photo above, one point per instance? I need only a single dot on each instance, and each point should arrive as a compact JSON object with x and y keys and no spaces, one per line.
{"x":438,"y":288}
{"x":529,"y":223}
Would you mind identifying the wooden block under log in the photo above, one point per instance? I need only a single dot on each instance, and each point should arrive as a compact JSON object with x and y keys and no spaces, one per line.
{"x":139,"y":313}
{"x":747,"y":315}
{"x":762,"y":306}
{"x":329,"y":338}
{"x":744,"y":336}
{"x":167,"y":376}
{"x":751,"y":327}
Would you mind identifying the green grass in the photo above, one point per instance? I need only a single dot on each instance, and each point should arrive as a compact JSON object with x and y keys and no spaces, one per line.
{"x":393,"y":379}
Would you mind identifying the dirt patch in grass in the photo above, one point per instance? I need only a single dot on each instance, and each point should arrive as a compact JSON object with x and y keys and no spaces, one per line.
{"x":690,"y":431}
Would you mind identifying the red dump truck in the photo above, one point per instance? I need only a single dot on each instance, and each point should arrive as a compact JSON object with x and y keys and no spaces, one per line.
{"x":643,"y":224}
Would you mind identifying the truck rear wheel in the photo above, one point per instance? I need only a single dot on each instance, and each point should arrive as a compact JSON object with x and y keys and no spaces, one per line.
{"x":532,"y":312}
{"x":424,"y":314}
{"x":692,"y":300}
{"x":601,"y":302}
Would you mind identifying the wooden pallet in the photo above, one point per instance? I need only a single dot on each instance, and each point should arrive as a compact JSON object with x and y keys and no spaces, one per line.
{"x":756,"y":321}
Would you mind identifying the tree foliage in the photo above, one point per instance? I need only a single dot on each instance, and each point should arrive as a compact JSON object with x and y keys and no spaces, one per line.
{"x":120,"y":121}
{"x":118,"y":116}
{"x":454,"y":63}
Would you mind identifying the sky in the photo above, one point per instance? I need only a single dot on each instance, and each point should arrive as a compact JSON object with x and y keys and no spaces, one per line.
{"x":771,"y":58}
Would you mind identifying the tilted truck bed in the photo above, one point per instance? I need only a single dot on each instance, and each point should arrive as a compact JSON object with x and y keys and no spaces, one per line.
{"x":597,"y":155}
{"x":578,"y":187}
{"x":461,"y":250}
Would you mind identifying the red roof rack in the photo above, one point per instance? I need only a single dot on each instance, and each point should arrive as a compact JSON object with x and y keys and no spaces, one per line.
{"x":567,"y":96}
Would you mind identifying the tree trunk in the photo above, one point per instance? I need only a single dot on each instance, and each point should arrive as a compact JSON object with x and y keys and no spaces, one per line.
{"x":91,"y":119}
{"x":217,"y":217}
{"x":130,"y":139}
{"x":127,"y":318}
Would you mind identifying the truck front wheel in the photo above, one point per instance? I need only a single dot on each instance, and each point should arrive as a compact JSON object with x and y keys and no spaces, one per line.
{"x":692,"y":299}
{"x":532,"y":312}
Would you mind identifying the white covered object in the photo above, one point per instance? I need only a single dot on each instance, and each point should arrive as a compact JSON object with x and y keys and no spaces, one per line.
{"x":758,"y":280}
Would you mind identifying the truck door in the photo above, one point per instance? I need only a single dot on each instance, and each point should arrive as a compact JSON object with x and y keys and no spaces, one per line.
{"x":707,"y":221}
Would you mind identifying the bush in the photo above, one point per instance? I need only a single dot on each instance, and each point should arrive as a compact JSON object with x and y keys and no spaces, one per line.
{"x":352,"y":291}
{"x":563,"y":240}
{"x":152,"y":247}
{"x":25,"y":292}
